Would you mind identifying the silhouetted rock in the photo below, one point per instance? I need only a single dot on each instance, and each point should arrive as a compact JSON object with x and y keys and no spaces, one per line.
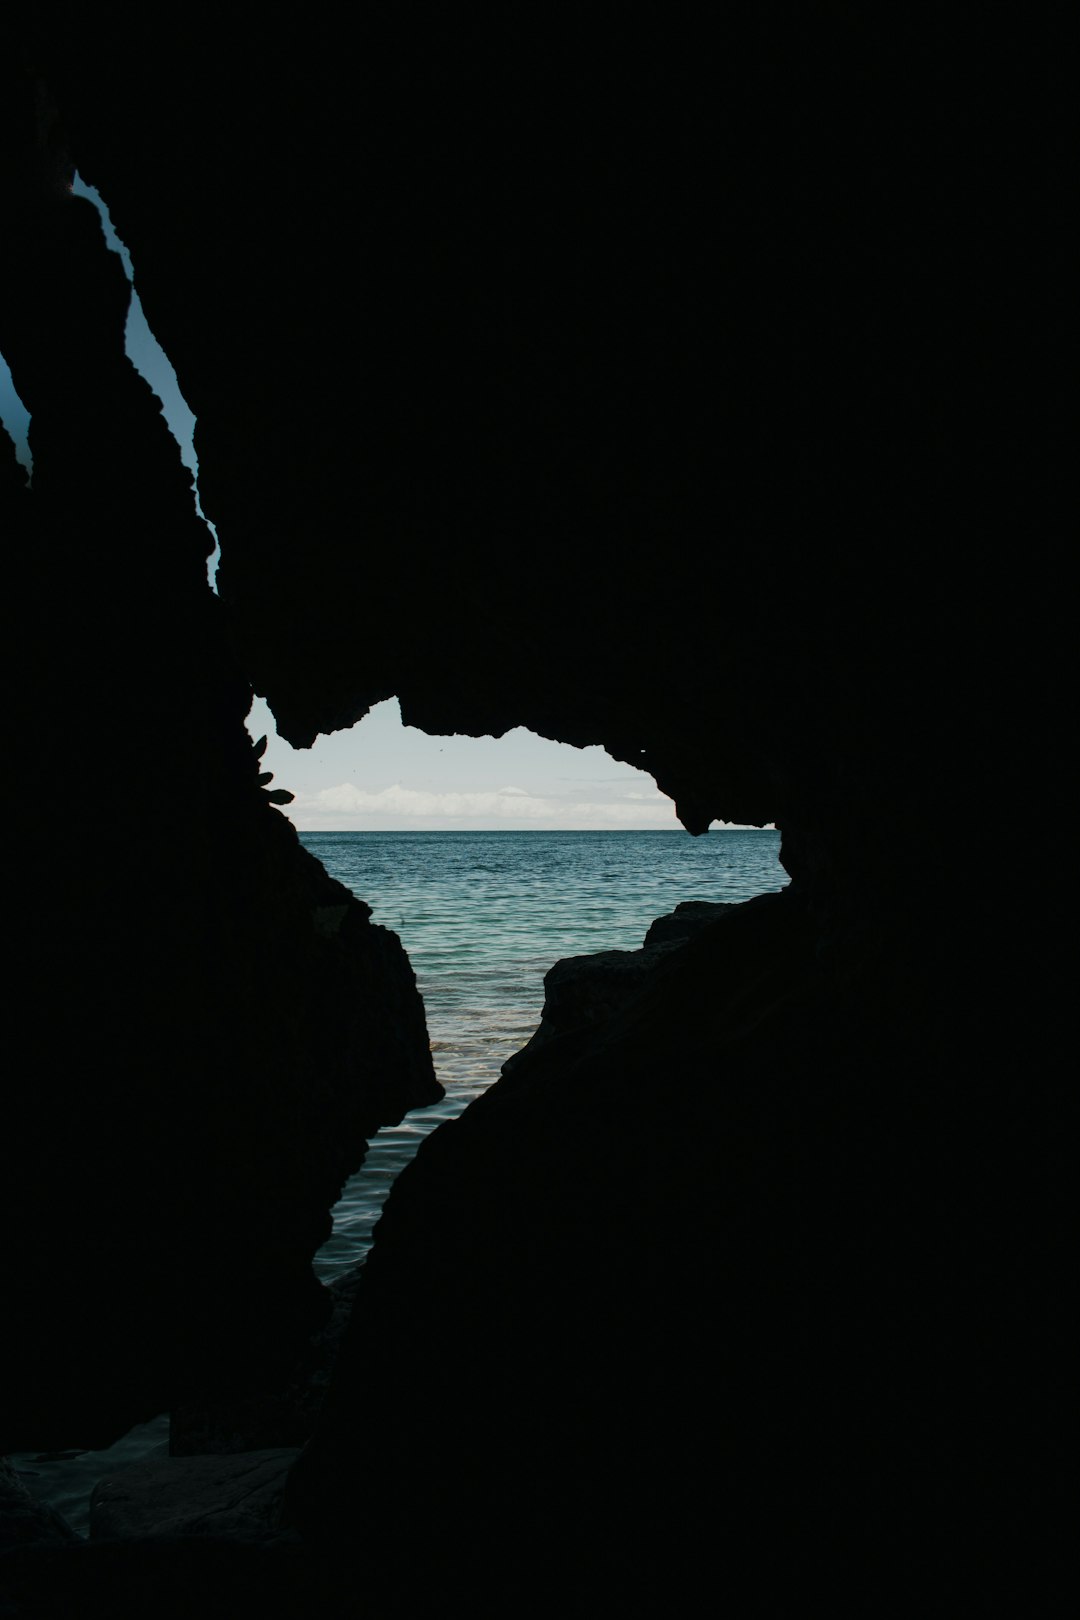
{"x":193,"y":1496}
{"x":580,"y":991}
{"x":660,"y":387}
{"x":688,"y":919}
{"x":24,"y":1521}
{"x":212,"y":1577}
{"x":208,"y":1027}
{"x":265,"y":1414}
{"x":719,"y":1267}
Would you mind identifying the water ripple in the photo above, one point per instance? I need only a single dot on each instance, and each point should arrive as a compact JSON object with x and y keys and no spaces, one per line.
{"x":483,"y":915}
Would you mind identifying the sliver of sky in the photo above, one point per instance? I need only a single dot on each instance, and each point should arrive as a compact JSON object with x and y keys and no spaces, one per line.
{"x":146,"y":355}
{"x":151,"y":362}
{"x":15,"y":417}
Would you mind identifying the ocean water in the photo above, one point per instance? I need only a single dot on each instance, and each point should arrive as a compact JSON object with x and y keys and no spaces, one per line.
{"x":483,"y":915}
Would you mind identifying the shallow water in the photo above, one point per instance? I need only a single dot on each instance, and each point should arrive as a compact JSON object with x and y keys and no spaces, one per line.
{"x":483,"y":915}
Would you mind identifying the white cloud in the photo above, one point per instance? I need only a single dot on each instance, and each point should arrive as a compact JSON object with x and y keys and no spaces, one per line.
{"x":347,"y":806}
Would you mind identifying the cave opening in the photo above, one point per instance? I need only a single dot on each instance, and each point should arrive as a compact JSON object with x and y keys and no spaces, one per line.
{"x":505,"y":876}
{"x":708,"y":354}
{"x":493,"y":859}
{"x":569,"y":860}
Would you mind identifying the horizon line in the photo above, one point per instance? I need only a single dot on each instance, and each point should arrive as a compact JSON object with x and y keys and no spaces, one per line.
{"x":728,"y":826}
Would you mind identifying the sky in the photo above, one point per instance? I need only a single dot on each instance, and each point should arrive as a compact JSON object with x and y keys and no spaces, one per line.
{"x":381,"y":775}
{"x":13,"y":414}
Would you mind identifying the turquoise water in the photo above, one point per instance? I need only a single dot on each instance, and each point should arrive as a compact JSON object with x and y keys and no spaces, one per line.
{"x":483,"y":915}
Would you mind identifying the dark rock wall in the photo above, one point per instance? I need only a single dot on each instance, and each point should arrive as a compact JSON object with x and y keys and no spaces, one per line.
{"x":204,"y":1028}
{"x":665,"y":388}
{"x":755,"y":1281}
{"x":693,"y":360}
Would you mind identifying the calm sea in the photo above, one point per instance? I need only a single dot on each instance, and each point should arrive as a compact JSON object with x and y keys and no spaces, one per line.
{"x":483,"y":915}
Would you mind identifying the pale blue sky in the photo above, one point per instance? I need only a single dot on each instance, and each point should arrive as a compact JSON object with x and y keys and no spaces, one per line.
{"x":13,"y":414}
{"x":382,"y":775}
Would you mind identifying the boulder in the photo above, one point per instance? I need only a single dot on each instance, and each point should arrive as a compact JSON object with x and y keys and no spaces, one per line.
{"x":580,"y":991}
{"x":236,"y":1497}
{"x":24,"y":1521}
{"x":263,"y":1415}
{"x":688,"y":919}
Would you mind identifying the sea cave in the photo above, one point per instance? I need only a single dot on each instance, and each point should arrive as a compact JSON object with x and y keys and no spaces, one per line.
{"x":507,"y":341}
